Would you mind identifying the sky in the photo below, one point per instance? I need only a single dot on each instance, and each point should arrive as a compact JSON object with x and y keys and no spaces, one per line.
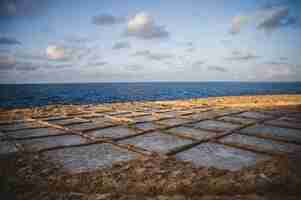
{"x":61,"y":41}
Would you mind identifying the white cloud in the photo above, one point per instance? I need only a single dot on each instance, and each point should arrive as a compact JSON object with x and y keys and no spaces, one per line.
{"x":267,"y":19}
{"x":238,"y":22}
{"x":143,"y":26}
{"x":106,"y":19}
{"x":56,"y":52}
{"x":121,"y":45}
{"x":217,"y":68}
{"x":153,"y":56}
{"x":242,"y":56}
{"x":270,"y":19}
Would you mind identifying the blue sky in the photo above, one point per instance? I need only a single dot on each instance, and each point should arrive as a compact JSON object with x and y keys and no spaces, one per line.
{"x":171,"y":40}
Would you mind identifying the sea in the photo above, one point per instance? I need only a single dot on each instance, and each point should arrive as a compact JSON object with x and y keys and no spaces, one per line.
{"x":32,"y":95}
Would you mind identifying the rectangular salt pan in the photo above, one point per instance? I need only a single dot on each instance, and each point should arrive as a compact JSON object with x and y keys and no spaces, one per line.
{"x":194,"y":133}
{"x":215,"y":125}
{"x":20,"y":126}
{"x":157,"y":142}
{"x":38,"y":144}
{"x":254,"y":115}
{"x":37,"y":132}
{"x":260,"y":144}
{"x":285,"y":134}
{"x":220,"y":156}
{"x":113,"y":132}
{"x":89,"y":158}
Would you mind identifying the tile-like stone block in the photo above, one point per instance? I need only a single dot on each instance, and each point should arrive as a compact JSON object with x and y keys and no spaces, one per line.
{"x":285,"y":123}
{"x":286,"y":134}
{"x":220,"y":156}
{"x":260,"y":144}
{"x":147,"y":118}
{"x":147,"y":126}
{"x":193,"y":133}
{"x":89,"y":158}
{"x":38,"y":144}
{"x":88,"y":126}
{"x":37,"y":132}
{"x":215,"y":125}
{"x":173,"y":122}
{"x":20,"y":126}
{"x":255,"y":115}
{"x":116,"y":132}
{"x":68,"y":121}
{"x":157,"y":142}
{"x":237,"y":120}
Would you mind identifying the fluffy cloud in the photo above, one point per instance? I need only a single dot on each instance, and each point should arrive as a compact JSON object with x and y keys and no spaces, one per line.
{"x":267,"y":19}
{"x":143,"y":26}
{"x":242,"y":56}
{"x":217,"y":68}
{"x":121,"y":45}
{"x":96,"y":64}
{"x":56,"y":52}
{"x":276,"y":71}
{"x":153,"y":56}
{"x":7,"y":62}
{"x":66,"y":52}
{"x":134,"y":67}
{"x":237,"y":23}
{"x":27,"y":66}
{"x":197,"y":65}
{"x":106,"y":19}
{"x":9,"y":41}
{"x":271,"y":19}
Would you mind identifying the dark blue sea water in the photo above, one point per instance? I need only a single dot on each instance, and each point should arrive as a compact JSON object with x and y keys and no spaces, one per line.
{"x":29,"y":95}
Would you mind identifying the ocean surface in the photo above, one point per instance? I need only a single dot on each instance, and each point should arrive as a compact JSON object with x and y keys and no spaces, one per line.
{"x":30,"y":95}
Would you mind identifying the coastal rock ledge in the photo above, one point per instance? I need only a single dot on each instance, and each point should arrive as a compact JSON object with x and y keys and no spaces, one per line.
{"x":245,"y":147}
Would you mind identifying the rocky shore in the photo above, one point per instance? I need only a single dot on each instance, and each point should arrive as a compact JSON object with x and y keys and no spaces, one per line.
{"x":246,"y":147}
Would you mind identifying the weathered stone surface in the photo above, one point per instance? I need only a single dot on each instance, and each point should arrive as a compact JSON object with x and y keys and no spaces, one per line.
{"x":261,"y":144}
{"x":54,"y":118}
{"x":119,"y":113}
{"x":214,"y":125}
{"x":157,"y":142}
{"x":89,"y":158}
{"x":177,"y":113}
{"x":20,"y":125}
{"x":36,"y":132}
{"x":237,"y":120}
{"x":285,"y":134}
{"x":220,"y":156}
{"x":285,"y":123}
{"x":291,"y":119}
{"x":173,"y":122}
{"x":68,"y":121}
{"x":255,"y":115}
{"x":88,"y":126}
{"x":202,"y":115}
{"x":147,"y":118}
{"x":38,"y":144}
{"x":192,"y":133}
{"x":112,"y":132}
{"x":147,"y":126}
{"x":7,"y":147}
{"x":101,"y":119}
